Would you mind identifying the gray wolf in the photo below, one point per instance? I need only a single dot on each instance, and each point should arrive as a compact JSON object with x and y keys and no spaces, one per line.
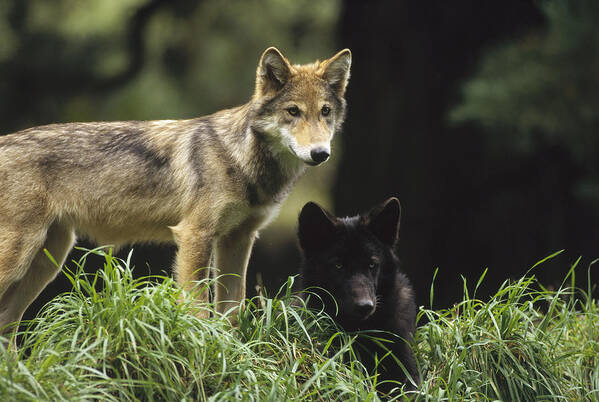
{"x":351,"y":271}
{"x":208,"y":184}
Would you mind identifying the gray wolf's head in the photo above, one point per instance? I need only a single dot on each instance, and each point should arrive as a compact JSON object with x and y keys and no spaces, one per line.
{"x":299,"y":107}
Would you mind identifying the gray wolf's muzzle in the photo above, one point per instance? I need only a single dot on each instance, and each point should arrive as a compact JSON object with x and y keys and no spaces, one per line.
{"x":319,"y":155}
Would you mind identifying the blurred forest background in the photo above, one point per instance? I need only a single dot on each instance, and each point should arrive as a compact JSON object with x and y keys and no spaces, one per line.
{"x":482,"y":117}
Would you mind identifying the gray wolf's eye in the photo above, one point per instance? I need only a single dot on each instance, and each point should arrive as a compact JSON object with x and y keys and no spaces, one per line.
{"x":293,"y":110}
{"x":325,"y":110}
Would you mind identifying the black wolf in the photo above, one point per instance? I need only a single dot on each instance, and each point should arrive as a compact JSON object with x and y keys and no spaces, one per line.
{"x":354,"y":261}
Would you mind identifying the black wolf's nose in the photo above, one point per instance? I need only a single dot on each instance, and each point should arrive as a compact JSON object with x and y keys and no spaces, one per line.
{"x":319,"y":154}
{"x":364,"y":307}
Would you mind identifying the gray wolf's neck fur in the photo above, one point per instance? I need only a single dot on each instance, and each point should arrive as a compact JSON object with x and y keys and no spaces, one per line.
{"x":268,"y":167}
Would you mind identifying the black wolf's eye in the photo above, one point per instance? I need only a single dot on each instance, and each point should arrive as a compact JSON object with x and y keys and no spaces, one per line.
{"x":325,"y":110}
{"x":338,"y":265}
{"x":293,"y":110}
{"x":373,"y":263}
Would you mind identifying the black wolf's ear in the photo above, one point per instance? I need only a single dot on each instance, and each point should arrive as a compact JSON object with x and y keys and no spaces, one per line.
{"x":273,"y":71}
{"x":384,"y":221}
{"x":336,"y":71}
{"x":316,"y":227}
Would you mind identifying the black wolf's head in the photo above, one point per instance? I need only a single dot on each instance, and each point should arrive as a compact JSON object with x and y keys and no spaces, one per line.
{"x":299,"y":107}
{"x":351,"y":258}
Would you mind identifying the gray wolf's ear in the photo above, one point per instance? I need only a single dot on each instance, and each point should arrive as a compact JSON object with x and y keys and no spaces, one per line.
{"x":316,"y":227}
{"x":336,"y":71}
{"x":384,"y":221}
{"x":273,"y":71}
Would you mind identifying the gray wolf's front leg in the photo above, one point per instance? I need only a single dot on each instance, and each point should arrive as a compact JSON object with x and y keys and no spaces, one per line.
{"x":232,"y":257}
{"x":193,"y":261}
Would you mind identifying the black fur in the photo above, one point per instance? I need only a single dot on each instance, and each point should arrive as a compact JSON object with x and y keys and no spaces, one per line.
{"x":354,"y":260}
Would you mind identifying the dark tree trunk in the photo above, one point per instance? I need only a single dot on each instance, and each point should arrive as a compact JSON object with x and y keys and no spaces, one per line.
{"x":464,"y":208}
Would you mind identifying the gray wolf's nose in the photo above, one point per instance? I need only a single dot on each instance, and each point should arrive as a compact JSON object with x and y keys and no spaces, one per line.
{"x":319,"y":154}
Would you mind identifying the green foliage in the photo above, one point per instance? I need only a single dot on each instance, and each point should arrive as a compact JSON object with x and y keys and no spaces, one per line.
{"x":118,"y":338}
{"x":543,"y":89}
{"x":543,"y":86}
{"x":197,"y":57}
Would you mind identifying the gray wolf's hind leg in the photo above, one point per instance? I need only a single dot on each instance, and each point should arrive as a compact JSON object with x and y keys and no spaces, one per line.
{"x":32,"y":272}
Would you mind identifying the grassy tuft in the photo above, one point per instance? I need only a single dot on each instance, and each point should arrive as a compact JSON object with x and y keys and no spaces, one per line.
{"x":117,"y":338}
{"x":526,"y":343}
{"x":134,"y":340}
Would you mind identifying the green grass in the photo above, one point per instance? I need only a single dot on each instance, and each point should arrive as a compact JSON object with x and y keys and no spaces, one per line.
{"x":135,"y":340}
{"x":524,"y":344}
{"x":138,"y":339}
